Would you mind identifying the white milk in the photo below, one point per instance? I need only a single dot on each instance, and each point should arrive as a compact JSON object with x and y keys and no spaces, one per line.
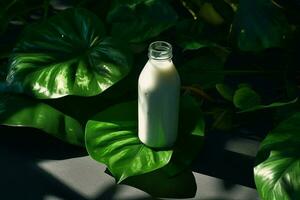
{"x":158,"y":98}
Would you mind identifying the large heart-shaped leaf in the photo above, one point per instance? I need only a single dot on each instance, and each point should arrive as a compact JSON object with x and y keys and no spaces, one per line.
{"x":277,"y":174}
{"x":258,"y":25}
{"x":24,"y":111}
{"x":112,"y":138}
{"x":138,"y":21}
{"x":67,"y":55}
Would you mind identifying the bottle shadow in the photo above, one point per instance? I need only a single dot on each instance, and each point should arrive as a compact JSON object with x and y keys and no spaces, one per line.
{"x":159,"y":184}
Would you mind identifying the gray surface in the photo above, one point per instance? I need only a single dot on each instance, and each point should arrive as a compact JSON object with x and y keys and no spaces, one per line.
{"x":87,"y":177}
{"x":35,"y":166}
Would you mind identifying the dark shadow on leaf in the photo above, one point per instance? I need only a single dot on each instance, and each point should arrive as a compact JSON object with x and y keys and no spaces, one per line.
{"x":291,"y":191}
{"x":83,"y":108}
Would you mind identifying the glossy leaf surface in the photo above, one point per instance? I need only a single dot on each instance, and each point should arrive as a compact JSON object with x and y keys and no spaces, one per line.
{"x":277,"y":174}
{"x":112,"y":138}
{"x":23,"y":111}
{"x":67,"y":55}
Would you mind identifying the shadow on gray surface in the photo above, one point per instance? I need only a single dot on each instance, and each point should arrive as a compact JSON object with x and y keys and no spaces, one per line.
{"x":37,"y":145}
{"x":233,"y":167}
{"x":109,"y":192}
{"x":21,"y":178}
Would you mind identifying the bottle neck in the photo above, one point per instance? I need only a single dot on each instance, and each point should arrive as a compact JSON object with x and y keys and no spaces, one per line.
{"x":160,"y":51}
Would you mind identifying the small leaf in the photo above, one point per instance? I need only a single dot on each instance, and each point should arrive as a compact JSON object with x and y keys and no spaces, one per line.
{"x":67,"y":55}
{"x":225,"y":91}
{"x":277,"y":173}
{"x":137,"y":21}
{"x":245,"y":98}
{"x":23,"y":111}
{"x":248,"y":100}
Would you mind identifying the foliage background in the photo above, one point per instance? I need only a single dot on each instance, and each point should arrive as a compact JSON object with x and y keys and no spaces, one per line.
{"x":238,"y":62}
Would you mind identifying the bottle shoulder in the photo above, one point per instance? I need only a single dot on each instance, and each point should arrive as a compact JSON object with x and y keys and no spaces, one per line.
{"x":153,"y":67}
{"x":151,"y":77}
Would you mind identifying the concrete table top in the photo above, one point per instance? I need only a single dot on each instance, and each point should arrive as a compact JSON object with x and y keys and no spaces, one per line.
{"x":36,"y":166}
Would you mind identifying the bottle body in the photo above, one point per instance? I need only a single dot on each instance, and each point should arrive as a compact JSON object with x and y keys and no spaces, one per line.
{"x":158,"y":103}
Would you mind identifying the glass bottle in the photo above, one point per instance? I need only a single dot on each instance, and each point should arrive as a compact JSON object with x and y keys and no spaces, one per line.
{"x":158,"y":98}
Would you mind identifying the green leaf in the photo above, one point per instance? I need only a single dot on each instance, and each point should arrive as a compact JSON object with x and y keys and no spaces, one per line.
{"x":67,"y":55}
{"x":225,"y":91}
{"x":272,"y":105}
{"x":111,"y":138}
{"x":277,"y":173}
{"x":137,"y":21}
{"x":258,"y":25}
{"x":245,"y":98}
{"x":22,"y":111}
{"x":205,"y":70}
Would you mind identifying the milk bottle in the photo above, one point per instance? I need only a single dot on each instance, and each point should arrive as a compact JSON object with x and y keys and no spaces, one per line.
{"x":158,"y":98}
